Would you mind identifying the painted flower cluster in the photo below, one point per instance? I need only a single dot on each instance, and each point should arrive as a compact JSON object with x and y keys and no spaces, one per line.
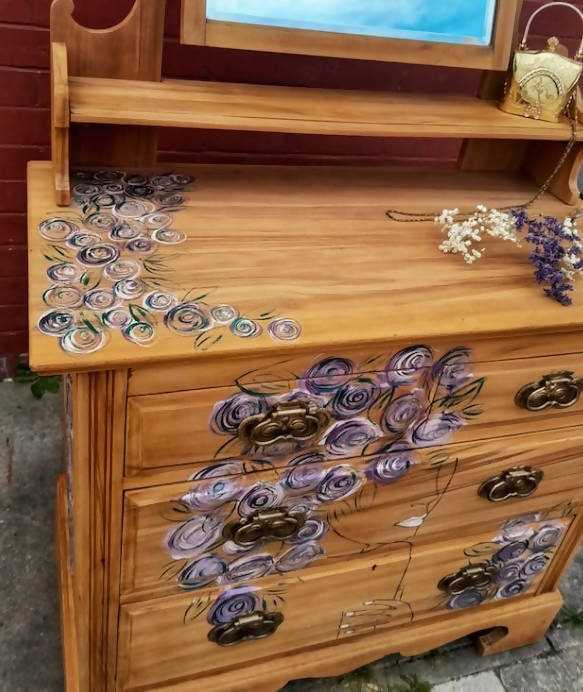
{"x":107,"y":274}
{"x":558,"y":250}
{"x":310,"y":484}
{"x":305,"y":488}
{"x":524,"y":552}
{"x":414,"y":399}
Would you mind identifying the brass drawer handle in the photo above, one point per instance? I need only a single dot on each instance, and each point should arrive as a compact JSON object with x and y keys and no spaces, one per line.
{"x":276,"y":524}
{"x":516,"y":482}
{"x":257,"y":625}
{"x":478,"y":576}
{"x":558,"y":389}
{"x":292,"y":420}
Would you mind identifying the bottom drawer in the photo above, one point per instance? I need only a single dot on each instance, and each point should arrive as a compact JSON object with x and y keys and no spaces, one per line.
{"x":186,"y":637}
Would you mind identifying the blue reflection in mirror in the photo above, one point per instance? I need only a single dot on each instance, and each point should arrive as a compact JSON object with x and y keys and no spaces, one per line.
{"x":444,"y":21}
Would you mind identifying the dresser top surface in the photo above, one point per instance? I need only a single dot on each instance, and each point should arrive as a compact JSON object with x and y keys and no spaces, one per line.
{"x":266,"y":259}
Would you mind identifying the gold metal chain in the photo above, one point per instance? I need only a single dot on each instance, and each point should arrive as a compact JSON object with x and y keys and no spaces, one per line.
{"x":415,"y":217}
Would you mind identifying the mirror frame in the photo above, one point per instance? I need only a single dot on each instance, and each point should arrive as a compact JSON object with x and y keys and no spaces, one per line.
{"x":197,"y":30}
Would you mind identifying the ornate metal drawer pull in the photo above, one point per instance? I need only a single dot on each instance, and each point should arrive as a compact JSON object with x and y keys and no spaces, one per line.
{"x":559,"y":389}
{"x":520,"y":481}
{"x":272,"y":524}
{"x":293,"y":420}
{"x":256,"y":625}
{"x":478,"y":576}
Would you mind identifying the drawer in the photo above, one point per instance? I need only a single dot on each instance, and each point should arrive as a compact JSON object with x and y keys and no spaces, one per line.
{"x":223,"y":529}
{"x":340,"y":411}
{"x":183,"y":637}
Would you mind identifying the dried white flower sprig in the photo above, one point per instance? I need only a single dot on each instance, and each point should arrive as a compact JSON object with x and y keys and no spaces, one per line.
{"x":557,"y":254}
{"x":463,"y":233}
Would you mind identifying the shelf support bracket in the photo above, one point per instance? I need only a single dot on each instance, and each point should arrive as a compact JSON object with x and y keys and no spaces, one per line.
{"x":60,"y":123}
{"x":132,"y":49}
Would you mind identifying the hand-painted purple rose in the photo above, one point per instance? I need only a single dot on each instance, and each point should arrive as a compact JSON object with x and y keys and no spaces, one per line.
{"x":403,"y":412}
{"x":512,"y":551}
{"x":436,"y":430}
{"x":203,"y":571}
{"x":312,"y":530}
{"x":507,"y":573}
{"x":230,"y":467}
{"x":193,"y":537}
{"x":466,"y":599}
{"x":513,"y":588}
{"x":213,"y":494}
{"x":232,"y":548}
{"x":354,"y":397}
{"x":250,"y":567}
{"x":389,"y":467}
{"x":328,"y":375}
{"x":303,"y":475}
{"x":406,"y":366}
{"x":299,"y":556}
{"x":348,"y":438}
{"x":260,"y":496}
{"x":536,"y":564}
{"x":451,"y":370}
{"x":518,"y":529}
{"x":233,"y":604}
{"x":339,"y":482}
{"x":228,"y":414}
{"x":302,"y":505}
{"x":545,"y":538}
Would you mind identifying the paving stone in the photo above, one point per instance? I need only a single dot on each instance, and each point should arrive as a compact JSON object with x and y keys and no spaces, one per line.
{"x":566,"y":636}
{"x":440,"y":667}
{"x":561,"y":672}
{"x":572,"y":583}
{"x":30,"y":459}
{"x":483,"y":682}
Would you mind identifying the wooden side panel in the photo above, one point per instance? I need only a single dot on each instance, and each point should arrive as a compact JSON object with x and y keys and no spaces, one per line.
{"x":323,"y":607}
{"x":130,"y":50}
{"x":437,"y":496}
{"x":541,"y":160}
{"x":68,"y":623}
{"x":98,"y":449}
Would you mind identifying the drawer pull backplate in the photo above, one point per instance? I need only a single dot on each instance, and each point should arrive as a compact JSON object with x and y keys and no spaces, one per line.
{"x":515,"y":482}
{"x":292,"y":420}
{"x":478,"y":576}
{"x":558,"y":389}
{"x":277,"y":524}
{"x":256,"y":625}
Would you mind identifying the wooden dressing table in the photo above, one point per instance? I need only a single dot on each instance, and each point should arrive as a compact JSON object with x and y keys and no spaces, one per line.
{"x":298,"y":438}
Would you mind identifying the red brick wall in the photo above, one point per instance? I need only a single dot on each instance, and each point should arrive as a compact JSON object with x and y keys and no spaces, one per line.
{"x":24,"y":119}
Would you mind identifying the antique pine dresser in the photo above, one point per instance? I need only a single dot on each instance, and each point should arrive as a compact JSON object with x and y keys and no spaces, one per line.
{"x":298,"y":438}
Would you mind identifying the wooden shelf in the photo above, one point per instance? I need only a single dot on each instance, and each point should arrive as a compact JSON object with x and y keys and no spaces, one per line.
{"x":217,"y":105}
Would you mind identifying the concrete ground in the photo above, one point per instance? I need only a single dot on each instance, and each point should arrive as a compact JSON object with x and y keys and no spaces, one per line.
{"x":30,"y":655}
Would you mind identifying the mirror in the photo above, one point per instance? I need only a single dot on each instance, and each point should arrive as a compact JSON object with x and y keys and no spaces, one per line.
{"x":459,"y":33}
{"x":454,"y":21}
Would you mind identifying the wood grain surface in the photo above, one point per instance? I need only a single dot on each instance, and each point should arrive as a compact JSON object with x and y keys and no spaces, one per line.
{"x":370,"y":594}
{"x":368,"y":521}
{"x":229,"y":106}
{"x":314,"y":245}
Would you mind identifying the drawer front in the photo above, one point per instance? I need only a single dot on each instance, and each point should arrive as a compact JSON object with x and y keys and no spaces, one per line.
{"x":526,"y":395}
{"x":337,"y":407}
{"x":221,"y":529}
{"x":185,"y":637}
